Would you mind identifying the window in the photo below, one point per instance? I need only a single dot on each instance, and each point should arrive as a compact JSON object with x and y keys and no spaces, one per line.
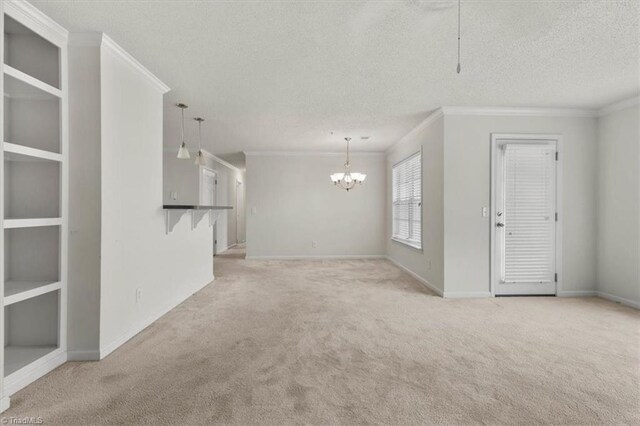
{"x":407,"y":201}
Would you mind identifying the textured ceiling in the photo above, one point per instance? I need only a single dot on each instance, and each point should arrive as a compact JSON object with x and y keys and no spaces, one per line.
{"x":281,"y":75}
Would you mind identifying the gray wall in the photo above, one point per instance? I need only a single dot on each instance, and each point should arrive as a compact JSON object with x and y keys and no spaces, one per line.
{"x":467,"y":182}
{"x":457,"y":185}
{"x":85,"y":204}
{"x":427,"y":263}
{"x":291,"y":202}
{"x":619,"y":205}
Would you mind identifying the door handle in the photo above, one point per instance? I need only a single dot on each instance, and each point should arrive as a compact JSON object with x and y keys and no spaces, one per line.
{"x":500,"y":225}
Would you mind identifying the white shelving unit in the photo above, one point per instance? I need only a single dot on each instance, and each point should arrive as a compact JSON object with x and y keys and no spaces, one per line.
{"x":33,"y":196}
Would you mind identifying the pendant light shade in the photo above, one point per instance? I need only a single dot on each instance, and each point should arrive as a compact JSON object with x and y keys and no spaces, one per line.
{"x":200,"y":161}
{"x":183,"y":152}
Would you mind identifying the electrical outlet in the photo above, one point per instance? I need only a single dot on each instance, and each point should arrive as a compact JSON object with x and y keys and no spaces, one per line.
{"x":173,"y":195}
{"x":254,"y":210}
{"x":138,"y":295}
{"x":485,"y":211}
{"x":314,"y":244}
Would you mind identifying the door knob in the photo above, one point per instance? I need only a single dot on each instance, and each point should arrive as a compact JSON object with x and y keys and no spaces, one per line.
{"x":500,"y":225}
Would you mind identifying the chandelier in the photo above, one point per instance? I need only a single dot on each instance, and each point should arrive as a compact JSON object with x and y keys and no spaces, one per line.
{"x":348,"y":179}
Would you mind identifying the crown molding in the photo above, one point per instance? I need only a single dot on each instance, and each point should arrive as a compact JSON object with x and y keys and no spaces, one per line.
{"x":493,"y":111}
{"x":519,"y":111}
{"x":221,"y":161}
{"x":431,"y":118}
{"x":619,"y":106}
{"x":194,"y":152}
{"x":134,"y":64}
{"x":313,"y":153}
{"x":98,"y":39}
{"x":27,"y":14}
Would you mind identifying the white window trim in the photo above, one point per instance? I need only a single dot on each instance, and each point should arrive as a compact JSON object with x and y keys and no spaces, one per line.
{"x":410,"y":243}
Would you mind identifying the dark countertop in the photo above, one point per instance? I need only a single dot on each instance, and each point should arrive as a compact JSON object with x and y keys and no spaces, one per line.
{"x":194,"y":207}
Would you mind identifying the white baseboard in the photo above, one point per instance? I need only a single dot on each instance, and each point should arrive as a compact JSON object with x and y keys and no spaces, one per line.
{"x":83,"y":355}
{"x":466,"y":294}
{"x":21,"y":378}
{"x":319,"y":257}
{"x":577,"y":293}
{"x":133,"y":331}
{"x":622,"y":300}
{"x":421,"y":280}
{"x":5,"y":402}
{"x":222,"y":250}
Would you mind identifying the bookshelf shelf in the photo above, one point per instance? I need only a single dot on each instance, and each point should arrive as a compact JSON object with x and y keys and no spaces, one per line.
{"x":33,"y":195}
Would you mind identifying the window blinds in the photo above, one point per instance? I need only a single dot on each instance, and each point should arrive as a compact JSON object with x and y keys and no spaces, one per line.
{"x":529,"y":216}
{"x":407,"y":200}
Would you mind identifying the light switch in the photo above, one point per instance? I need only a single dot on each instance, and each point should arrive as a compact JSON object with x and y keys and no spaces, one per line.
{"x":254,"y":210}
{"x":485,"y":211}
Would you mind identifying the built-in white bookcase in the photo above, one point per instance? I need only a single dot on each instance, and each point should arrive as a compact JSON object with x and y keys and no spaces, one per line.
{"x":33,"y":202}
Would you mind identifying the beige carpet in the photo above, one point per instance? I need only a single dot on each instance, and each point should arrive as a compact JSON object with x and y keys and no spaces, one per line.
{"x":354,"y":342}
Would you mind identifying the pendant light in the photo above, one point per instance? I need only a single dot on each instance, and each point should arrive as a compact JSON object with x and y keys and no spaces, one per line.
{"x":183,"y":152}
{"x":348,"y":179}
{"x":200,"y":161}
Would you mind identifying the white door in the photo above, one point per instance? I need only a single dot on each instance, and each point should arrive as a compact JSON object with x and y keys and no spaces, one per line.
{"x":207,"y":187}
{"x":525,"y":216}
{"x":240,"y":227}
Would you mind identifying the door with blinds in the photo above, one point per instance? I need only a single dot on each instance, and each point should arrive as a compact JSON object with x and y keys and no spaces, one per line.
{"x":525,"y":222}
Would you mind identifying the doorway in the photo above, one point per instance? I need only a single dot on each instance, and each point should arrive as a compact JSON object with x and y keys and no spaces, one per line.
{"x":207,"y":197}
{"x":525,"y":223}
{"x":240,"y":227}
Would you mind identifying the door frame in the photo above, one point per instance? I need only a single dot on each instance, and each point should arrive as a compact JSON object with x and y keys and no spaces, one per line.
{"x":239,"y":183}
{"x":201,"y":172}
{"x":525,"y":137}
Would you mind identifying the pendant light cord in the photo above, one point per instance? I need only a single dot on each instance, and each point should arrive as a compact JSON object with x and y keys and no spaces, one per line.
{"x":182,"y":109}
{"x":458,"y":68}
{"x":199,"y":136}
{"x":348,"y":162}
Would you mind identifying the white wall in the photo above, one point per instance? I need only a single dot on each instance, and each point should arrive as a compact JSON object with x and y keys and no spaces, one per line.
{"x":467,"y":183}
{"x":136,"y":253}
{"x":118,"y":242}
{"x":291,"y":202}
{"x":428,"y":263}
{"x":619,"y":205}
